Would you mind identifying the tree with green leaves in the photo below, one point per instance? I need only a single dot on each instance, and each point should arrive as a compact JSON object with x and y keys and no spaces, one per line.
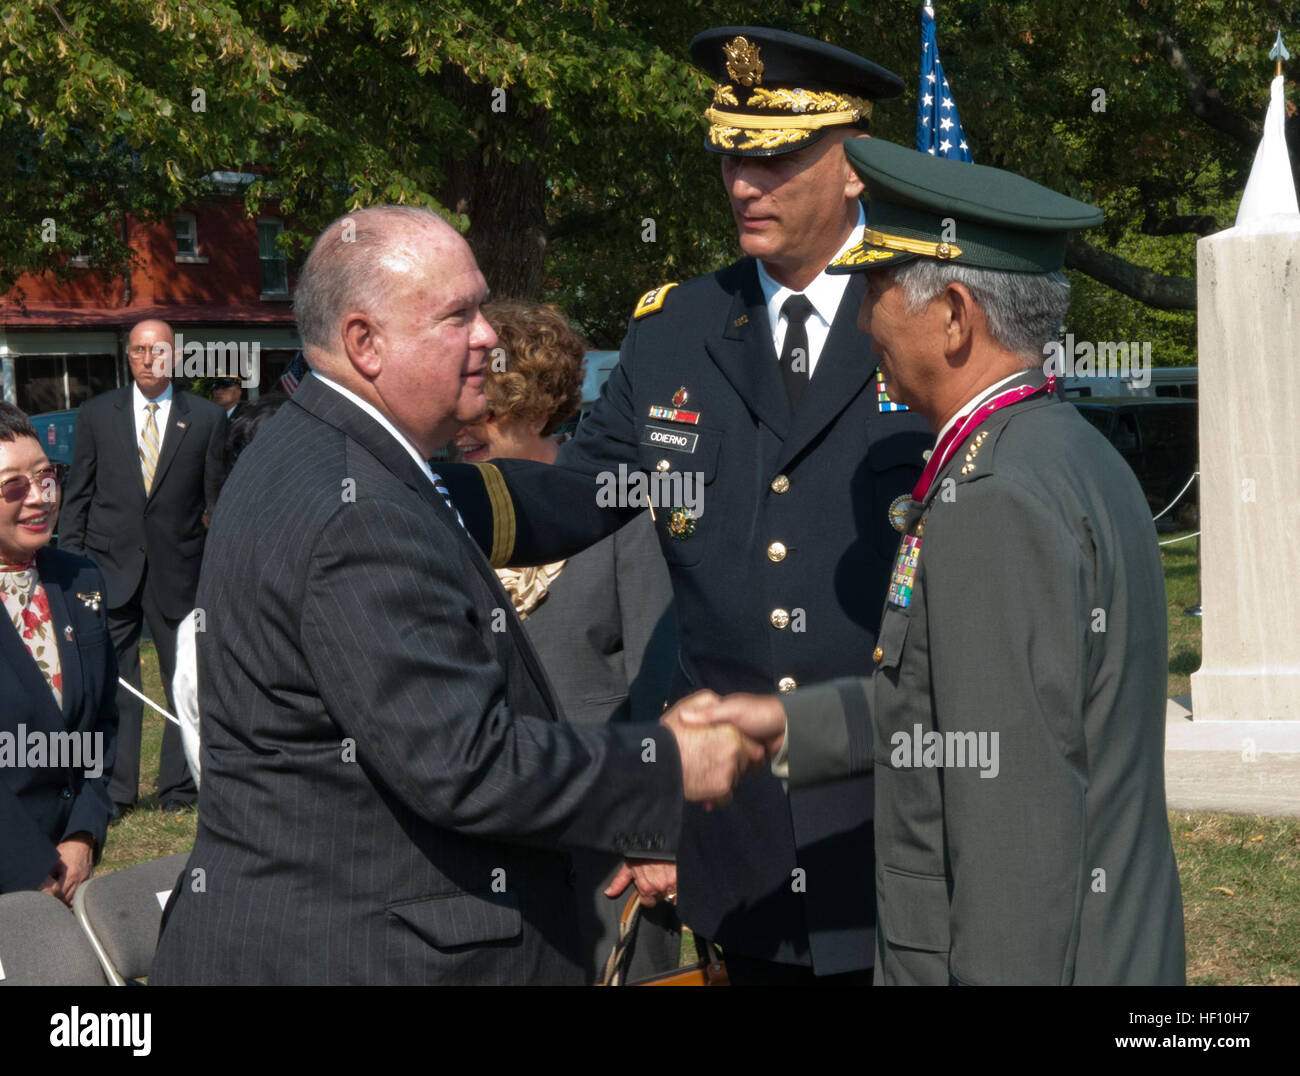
{"x":564,"y":136}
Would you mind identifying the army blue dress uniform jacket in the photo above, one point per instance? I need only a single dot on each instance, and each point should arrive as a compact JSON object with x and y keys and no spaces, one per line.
{"x":1015,"y":722}
{"x":779,"y":581}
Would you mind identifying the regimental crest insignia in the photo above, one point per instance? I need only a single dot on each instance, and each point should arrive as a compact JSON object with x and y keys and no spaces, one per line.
{"x":92,"y":600}
{"x":680,"y":396}
{"x":681,"y":524}
{"x":743,"y":64}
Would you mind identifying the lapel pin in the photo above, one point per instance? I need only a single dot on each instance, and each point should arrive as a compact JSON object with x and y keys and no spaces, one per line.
{"x":90,"y":601}
{"x":67,"y":633}
{"x":180,"y":425}
{"x":742,"y":320}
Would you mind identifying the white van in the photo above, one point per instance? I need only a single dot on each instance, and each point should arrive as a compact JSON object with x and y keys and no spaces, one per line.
{"x":1175,"y":381}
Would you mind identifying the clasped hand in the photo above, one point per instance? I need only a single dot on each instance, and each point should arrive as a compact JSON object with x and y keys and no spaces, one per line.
{"x":759,"y":719}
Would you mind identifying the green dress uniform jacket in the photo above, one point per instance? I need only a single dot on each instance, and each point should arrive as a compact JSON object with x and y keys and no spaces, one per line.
{"x":1015,"y":721}
{"x":779,"y":581}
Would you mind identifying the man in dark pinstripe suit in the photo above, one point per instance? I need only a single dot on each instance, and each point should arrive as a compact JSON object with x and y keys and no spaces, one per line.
{"x":385,"y":785}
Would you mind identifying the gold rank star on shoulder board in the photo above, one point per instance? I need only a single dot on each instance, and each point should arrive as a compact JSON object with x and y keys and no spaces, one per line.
{"x":652,"y":301}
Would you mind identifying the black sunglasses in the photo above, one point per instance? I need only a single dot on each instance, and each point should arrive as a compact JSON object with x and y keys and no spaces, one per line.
{"x":48,"y":478}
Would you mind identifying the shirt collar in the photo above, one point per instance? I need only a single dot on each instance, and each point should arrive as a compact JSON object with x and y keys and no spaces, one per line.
{"x":164,"y":397}
{"x":825,"y":291}
{"x":976,"y":400}
{"x":383,"y":420}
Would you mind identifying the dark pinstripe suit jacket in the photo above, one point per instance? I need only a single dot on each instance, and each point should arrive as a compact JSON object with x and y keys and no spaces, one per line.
{"x":385,"y":784}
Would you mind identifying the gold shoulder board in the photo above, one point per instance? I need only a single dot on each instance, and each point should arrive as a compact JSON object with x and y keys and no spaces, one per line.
{"x":652,"y":301}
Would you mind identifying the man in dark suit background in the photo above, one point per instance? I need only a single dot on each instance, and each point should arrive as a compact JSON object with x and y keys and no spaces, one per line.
{"x":145,"y":472}
{"x":386,"y":785}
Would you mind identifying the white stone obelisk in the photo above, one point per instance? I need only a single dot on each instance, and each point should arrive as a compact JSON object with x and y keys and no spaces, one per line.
{"x":1248,"y":298}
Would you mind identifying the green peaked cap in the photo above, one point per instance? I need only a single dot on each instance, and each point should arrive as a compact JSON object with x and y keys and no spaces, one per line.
{"x":919,"y":206}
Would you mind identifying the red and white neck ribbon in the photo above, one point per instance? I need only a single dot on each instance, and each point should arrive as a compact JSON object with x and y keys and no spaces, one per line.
{"x":968,"y":424}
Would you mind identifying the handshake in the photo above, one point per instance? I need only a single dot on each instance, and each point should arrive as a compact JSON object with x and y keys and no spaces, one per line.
{"x":720,"y":739}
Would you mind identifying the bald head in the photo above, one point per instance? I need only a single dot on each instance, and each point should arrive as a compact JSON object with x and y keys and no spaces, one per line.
{"x":388,"y":307}
{"x":361,"y":262}
{"x":149,"y":354}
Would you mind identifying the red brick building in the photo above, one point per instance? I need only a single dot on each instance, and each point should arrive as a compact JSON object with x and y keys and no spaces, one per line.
{"x":213,"y":274}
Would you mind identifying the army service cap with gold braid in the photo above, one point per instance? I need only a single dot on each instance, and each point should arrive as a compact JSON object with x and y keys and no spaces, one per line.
{"x":778,"y":92}
{"x":920,"y":206}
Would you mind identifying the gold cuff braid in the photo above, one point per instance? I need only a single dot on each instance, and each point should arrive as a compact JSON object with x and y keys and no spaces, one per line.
{"x":503,"y":515}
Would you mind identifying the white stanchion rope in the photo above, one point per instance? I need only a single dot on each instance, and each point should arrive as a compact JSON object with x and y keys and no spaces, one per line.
{"x":149,"y":702}
{"x":1195,"y":475}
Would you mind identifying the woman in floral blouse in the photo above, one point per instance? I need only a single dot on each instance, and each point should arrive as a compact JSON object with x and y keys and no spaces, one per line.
{"x":58,"y":681}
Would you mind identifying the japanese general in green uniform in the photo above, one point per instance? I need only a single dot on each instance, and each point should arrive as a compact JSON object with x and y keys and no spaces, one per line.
{"x":1015,"y":718}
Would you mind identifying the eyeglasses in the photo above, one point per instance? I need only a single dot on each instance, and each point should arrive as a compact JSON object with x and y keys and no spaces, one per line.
{"x":49,"y":479}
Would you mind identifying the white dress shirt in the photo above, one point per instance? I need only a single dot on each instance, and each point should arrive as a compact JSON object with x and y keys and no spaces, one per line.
{"x":374,"y":412}
{"x":825,"y":293}
{"x":139,"y":403}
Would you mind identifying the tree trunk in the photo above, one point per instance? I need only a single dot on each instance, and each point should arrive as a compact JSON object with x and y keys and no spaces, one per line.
{"x":505,"y":199}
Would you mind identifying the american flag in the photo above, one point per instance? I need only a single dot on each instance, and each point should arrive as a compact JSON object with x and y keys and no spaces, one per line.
{"x":296,"y":372}
{"x":938,"y":130}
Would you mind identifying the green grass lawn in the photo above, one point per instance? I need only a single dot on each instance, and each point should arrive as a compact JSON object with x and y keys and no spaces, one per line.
{"x":1241,"y":897}
{"x":148,"y":833}
{"x":1240,"y":874}
{"x":1182,"y":590}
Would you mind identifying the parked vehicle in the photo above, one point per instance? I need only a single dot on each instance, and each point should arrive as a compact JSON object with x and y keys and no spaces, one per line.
{"x":56,"y":430}
{"x":1177,"y":382}
{"x":1157,"y":437}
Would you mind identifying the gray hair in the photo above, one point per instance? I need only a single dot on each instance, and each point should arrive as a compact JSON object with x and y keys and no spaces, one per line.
{"x":1024,"y":311}
{"x":344,"y":270}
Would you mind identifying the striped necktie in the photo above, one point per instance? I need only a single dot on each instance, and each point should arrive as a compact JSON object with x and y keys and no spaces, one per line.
{"x":149,"y":448}
{"x":446,"y":496}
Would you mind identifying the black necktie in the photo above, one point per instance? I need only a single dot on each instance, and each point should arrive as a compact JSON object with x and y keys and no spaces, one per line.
{"x":794,"y":352}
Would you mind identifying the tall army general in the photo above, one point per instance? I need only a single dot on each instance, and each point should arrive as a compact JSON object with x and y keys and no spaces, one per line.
{"x":756,"y":380}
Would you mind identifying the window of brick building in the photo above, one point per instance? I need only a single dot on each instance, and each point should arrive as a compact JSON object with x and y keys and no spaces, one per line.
{"x":275,"y":273}
{"x":187,"y":240}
